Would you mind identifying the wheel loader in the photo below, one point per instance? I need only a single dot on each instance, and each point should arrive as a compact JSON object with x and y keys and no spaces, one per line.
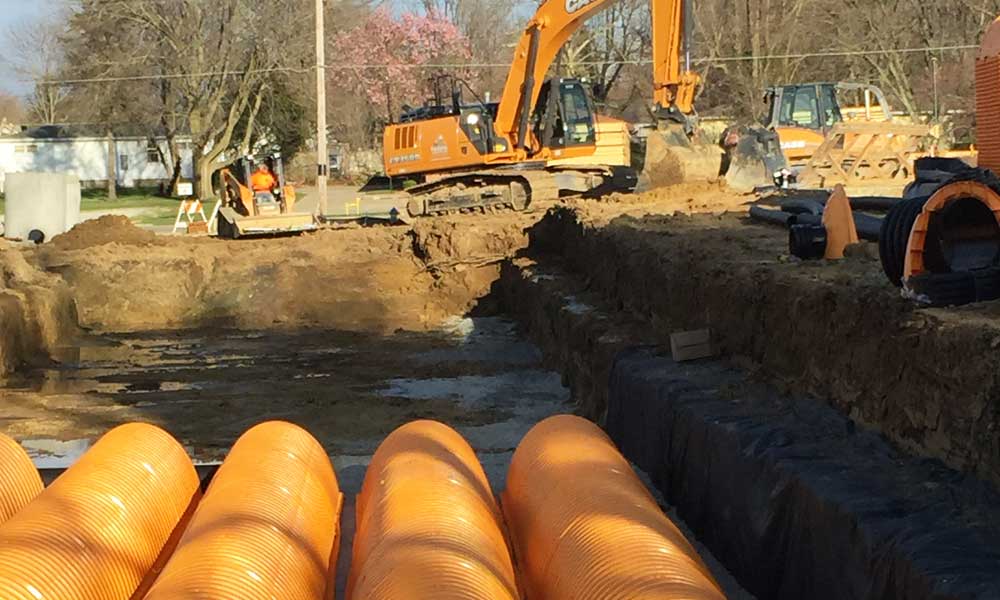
{"x":844,"y":133}
{"x":246,"y":213}
{"x":543,"y":138}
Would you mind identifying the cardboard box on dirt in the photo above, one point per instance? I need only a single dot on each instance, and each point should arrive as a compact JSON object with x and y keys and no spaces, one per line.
{"x":47,"y":202}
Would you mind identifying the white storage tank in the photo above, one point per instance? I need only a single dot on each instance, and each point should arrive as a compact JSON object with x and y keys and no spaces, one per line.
{"x":48,"y":203}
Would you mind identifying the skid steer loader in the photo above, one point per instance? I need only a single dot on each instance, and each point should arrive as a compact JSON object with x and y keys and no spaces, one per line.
{"x":248,"y":213}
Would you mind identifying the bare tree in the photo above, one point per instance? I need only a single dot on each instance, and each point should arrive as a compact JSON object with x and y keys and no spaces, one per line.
{"x":205,"y":66}
{"x":11,"y":109}
{"x":37,"y":55}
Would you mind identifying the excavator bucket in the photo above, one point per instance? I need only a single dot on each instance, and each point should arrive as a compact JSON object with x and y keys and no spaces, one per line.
{"x":673,"y":158}
{"x":748,"y":158}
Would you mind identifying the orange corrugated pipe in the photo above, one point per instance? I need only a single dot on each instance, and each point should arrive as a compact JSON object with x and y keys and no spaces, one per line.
{"x":96,"y":532}
{"x":584,"y":526}
{"x":267,"y":527}
{"x":19,"y":479}
{"x":428,"y":526}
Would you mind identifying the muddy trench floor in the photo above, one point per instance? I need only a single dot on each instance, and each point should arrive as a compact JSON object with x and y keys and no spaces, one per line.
{"x":349,"y":389}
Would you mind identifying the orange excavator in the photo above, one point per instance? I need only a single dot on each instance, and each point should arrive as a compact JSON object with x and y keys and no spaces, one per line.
{"x":542,"y":139}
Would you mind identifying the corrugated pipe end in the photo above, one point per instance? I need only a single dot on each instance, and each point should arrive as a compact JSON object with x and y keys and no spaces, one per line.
{"x":268,"y":526}
{"x":19,"y":479}
{"x":585,"y":527}
{"x":96,"y":532}
{"x":428,"y":526}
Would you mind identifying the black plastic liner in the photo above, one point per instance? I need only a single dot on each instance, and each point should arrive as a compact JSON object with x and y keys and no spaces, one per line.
{"x":793,"y":499}
{"x":869,"y":227}
{"x":774,"y":217}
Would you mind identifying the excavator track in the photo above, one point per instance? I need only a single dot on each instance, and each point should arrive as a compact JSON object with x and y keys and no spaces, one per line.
{"x":511,"y":189}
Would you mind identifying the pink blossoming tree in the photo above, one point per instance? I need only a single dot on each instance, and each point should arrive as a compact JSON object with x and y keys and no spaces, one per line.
{"x":392,"y":61}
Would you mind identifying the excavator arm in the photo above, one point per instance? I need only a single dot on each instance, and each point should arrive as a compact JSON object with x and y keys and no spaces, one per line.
{"x":553,"y":25}
{"x":674,"y":86}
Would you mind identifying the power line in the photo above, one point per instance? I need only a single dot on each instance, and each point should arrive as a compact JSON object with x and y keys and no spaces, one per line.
{"x":457,"y":66}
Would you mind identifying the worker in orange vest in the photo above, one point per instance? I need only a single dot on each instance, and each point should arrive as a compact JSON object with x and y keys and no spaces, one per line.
{"x":262,"y":181}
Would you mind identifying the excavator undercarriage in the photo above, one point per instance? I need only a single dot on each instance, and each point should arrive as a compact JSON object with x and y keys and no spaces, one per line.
{"x":510,"y":188}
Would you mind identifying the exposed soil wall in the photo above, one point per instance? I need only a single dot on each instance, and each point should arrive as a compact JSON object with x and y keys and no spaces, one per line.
{"x":373,"y":279}
{"x":927,"y":379}
{"x":794,"y":498}
{"x":37,"y":312}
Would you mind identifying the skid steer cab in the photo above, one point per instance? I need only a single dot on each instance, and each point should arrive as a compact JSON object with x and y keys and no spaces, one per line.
{"x":257,"y":201}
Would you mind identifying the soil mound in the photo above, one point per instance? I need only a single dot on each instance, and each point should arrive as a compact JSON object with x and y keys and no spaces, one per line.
{"x":105,"y":230}
{"x":37,"y":312}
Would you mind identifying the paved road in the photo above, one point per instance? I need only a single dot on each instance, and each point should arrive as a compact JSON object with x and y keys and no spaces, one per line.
{"x":338,"y":197}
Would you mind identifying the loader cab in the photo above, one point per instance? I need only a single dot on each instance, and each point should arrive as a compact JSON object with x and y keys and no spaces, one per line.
{"x":564,"y":115}
{"x":238,"y":189}
{"x":803,"y":114}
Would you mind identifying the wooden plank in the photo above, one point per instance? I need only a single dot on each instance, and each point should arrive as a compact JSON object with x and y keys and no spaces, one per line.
{"x":692,"y":345}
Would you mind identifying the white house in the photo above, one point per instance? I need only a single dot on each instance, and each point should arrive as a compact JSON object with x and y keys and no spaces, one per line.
{"x":138,"y":158}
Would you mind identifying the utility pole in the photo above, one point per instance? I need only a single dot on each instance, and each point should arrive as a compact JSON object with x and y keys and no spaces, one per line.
{"x":937,"y":102}
{"x":322,"y":156}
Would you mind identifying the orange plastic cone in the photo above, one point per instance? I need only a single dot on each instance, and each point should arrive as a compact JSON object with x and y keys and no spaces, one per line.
{"x":838,"y":219}
{"x":584,"y":526}
{"x":96,"y":532}
{"x":268,"y":526}
{"x":19,"y":479}
{"x":428,"y":527}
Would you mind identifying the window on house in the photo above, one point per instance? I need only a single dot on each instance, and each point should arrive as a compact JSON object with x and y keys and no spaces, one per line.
{"x":123,"y":162}
{"x":25,"y":148}
{"x":152,"y":152}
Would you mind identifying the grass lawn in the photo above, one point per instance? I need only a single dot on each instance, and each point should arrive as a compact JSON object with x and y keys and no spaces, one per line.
{"x":155,"y":210}
{"x":152,"y":208}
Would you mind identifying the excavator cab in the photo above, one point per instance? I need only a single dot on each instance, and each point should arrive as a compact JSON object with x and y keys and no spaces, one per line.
{"x":566,"y":118}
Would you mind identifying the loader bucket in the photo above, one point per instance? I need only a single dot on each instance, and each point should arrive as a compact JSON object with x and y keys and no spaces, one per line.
{"x":673,"y":158}
{"x":753,"y":158}
{"x":234,"y":225}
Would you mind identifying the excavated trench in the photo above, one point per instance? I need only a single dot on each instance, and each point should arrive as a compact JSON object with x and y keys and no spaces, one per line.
{"x":843,"y":445}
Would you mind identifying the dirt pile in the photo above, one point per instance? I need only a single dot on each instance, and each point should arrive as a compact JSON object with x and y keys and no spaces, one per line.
{"x":687,"y":198}
{"x":37,"y":312}
{"x":927,"y":379}
{"x":105,"y":230}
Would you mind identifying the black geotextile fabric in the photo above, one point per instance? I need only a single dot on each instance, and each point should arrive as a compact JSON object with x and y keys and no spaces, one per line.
{"x":794,"y":499}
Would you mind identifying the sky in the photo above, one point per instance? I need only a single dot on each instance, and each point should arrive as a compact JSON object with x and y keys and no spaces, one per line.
{"x":12,"y":14}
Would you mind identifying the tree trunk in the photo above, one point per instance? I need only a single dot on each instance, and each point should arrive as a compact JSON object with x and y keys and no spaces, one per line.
{"x":112,"y":167}
{"x":204,"y":167}
{"x":175,"y":163}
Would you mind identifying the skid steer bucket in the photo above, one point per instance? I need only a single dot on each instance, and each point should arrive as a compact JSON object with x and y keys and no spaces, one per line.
{"x":270,"y":211}
{"x":234,"y":225}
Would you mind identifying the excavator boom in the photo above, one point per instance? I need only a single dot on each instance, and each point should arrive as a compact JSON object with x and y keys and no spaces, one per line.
{"x":674,"y":84}
{"x":554,"y":24}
